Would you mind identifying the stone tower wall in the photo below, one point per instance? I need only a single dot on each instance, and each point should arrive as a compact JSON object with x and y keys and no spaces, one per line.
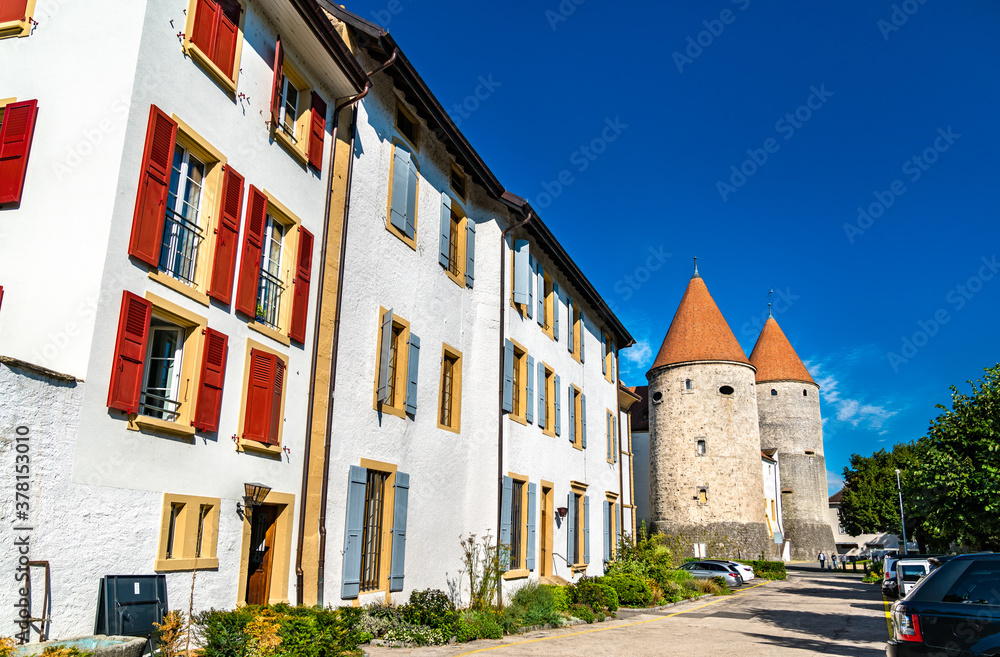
{"x":730,"y":467}
{"x":791,"y":423}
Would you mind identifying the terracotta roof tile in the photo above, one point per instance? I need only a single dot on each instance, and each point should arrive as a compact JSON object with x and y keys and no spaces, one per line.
{"x":774,"y":357}
{"x":699,"y":331}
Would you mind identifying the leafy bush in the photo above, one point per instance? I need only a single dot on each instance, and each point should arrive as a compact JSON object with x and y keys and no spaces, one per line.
{"x":280,"y":630}
{"x":419,"y":635}
{"x":632,"y":590}
{"x":432,"y":608}
{"x":594,"y":593}
{"x":223,"y":633}
{"x":474,"y":625}
{"x":582,"y":612}
{"x":6,"y":646}
{"x":767,"y":569}
{"x":560,"y":596}
{"x":534,"y":604}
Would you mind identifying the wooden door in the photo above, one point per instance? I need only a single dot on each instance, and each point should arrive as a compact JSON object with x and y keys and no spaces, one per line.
{"x":261,"y":554}
{"x":545,"y":537}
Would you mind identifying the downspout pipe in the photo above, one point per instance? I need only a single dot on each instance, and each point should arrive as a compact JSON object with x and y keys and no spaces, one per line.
{"x":503,"y":291}
{"x":299,"y":572}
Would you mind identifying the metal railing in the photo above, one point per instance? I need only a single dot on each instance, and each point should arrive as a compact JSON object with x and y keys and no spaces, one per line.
{"x":269,"y":299}
{"x":181,"y":239}
{"x":156,"y":406}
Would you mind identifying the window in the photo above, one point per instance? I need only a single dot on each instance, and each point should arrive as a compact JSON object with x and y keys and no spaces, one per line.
{"x":15,"y":18}
{"x":657,"y":397}
{"x":577,"y":417}
{"x":612,"y":528}
{"x":457,"y":243}
{"x":517,"y":529}
{"x":458,"y":182}
{"x":407,"y":126}
{"x":521,"y":272}
{"x":401,"y":214}
{"x":450,"y":408}
{"x":774,"y":393}
{"x":182,"y":234}
{"x":805,"y":393}
{"x":702,"y":447}
{"x":608,"y":365}
{"x":271,"y":288}
{"x":578,"y":527}
{"x":375,"y":532}
{"x":519,"y":383}
{"x":688,"y":384}
{"x":289,"y":107}
{"x":549,"y":295}
{"x":296,"y":123}
{"x":213,"y":38}
{"x":978,"y":584}
{"x":396,"y":366}
{"x":611,"y":429}
{"x":17,"y":125}
{"x":264,"y":398}
{"x":153,"y":381}
{"x":189,"y":532}
{"x":548,"y":403}
{"x":576,"y":336}
{"x":726,"y":390}
{"x":703,"y":495}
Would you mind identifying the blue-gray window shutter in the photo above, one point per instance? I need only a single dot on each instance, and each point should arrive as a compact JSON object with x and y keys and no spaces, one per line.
{"x":411,"y":375}
{"x":572,"y":415}
{"x":505,"y":504}
{"x":570,"y":529}
{"x":444,"y":253}
{"x":398,"y":564}
{"x":558,"y":408}
{"x":530,"y":306}
{"x":383,"y":356}
{"x":411,"y":198}
{"x":583,"y":420}
{"x":542,"y":419}
{"x":604,"y":352}
{"x":400,"y":180}
{"x":614,"y":439}
{"x":529,"y":553}
{"x":522,"y":258}
{"x":586,"y":529}
{"x":541,"y":295}
{"x":614,"y":357}
{"x":607,"y":434}
{"x":529,"y":401}
{"x":555,"y":312}
{"x":470,"y":252}
{"x":607,"y":531}
{"x":508,"y":376}
{"x":355,"y":525}
{"x":583,"y":336}
{"x":570,"y":327}
{"x":615,"y":510}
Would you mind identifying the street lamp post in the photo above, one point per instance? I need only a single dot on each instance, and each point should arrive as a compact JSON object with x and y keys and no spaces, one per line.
{"x":902,"y":517}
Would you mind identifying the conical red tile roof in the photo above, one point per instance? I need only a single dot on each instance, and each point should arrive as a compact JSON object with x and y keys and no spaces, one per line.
{"x":699,"y":331}
{"x":774,"y":357}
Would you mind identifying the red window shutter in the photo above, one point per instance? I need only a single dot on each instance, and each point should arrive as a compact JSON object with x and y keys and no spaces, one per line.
{"x":1,"y":296}
{"x":278,"y":388}
{"x":318,"y":131}
{"x":213,"y":374}
{"x":205,"y":19}
{"x":227,"y":31}
{"x":13,"y":10}
{"x":300,"y":300}
{"x":130,"y":353}
{"x":227,"y":237}
{"x":279,"y":59}
{"x":15,"y":142}
{"x":257,"y":421}
{"x":154,"y":181}
{"x":253,"y":242}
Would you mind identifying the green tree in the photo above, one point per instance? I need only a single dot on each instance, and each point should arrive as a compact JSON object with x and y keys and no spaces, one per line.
{"x":870,"y":503}
{"x":956,"y":484}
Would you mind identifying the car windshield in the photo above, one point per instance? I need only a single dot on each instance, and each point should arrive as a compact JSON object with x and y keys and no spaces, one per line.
{"x":913,"y":573}
{"x":979,"y":585}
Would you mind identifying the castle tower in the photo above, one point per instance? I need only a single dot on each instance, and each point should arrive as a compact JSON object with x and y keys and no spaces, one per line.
{"x":704,"y":451}
{"x":788,"y":406}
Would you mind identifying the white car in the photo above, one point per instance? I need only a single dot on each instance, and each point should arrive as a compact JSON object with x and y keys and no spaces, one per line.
{"x":909,"y":572}
{"x":745,"y":571}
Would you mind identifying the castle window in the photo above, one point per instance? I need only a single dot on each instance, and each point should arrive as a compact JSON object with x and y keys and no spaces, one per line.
{"x":810,"y":452}
{"x":805,"y":393}
{"x":657,"y":397}
{"x":701,"y":448}
{"x":703,"y":495}
{"x":688,"y":385}
{"x":774,"y":393}
{"x":727,"y":390}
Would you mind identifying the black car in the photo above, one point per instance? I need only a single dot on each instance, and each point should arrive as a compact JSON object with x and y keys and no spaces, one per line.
{"x":954,"y":611}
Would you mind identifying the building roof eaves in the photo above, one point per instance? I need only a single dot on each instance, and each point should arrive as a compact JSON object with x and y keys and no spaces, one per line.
{"x":312,"y":14}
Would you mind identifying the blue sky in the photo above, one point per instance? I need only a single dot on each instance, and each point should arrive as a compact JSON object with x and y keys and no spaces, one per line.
{"x":750,"y":134}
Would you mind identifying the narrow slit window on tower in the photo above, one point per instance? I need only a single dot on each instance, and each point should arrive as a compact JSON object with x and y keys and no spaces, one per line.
{"x":703,"y":496}
{"x":805,"y":393}
{"x":701,"y":447}
{"x":688,"y":385}
{"x":774,"y":393}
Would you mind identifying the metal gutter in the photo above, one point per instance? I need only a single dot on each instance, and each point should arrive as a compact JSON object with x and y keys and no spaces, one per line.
{"x":323,"y":30}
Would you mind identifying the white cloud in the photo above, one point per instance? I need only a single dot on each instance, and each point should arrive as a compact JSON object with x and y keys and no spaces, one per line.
{"x":834,"y":482}
{"x":848,"y":409}
{"x":640,"y":354}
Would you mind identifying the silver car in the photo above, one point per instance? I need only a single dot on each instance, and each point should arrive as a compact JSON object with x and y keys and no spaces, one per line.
{"x":710,"y":569}
{"x":745,"y":571}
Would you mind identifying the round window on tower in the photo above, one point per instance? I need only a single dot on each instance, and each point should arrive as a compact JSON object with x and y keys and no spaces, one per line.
{"x":657,"y":397}
{"x":727,"y":390}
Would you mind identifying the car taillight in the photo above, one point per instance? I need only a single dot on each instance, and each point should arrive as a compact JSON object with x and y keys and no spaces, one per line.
{"x":907,"y":626}
{"x":887,"y":575}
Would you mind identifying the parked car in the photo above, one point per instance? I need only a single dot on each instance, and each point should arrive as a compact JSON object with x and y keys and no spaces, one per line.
{"x":745,"y":571}
{"x":909,"y":572}
{"x":951,"y":611}
{"x":709,"y":569}
{"x":890,"y":583}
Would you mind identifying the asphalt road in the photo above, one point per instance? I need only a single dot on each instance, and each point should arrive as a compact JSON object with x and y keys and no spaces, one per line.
{"x":811,"y":613}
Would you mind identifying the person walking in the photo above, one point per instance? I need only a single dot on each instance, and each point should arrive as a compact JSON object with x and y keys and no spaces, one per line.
{"x":833,"y":561}
{"x":822,"y":560}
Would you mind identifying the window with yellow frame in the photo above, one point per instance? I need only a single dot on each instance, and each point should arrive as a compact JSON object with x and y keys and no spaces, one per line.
{"x":404,"y":188}
{"x":16,"y":18}
{"x":549,"y":290}
{"x":277,"y":267}
{"x":549,"y":428}
{"x":450,"y":393}
{"x":578,"y":549}
{"x":576,"y":403}
{"x":454,"y":241}
{"x":520,"y":401}
{"x":213,"y":39}
{"x":517,"y":541}
{"x":189,"y":533}
{"x":392,"y":364}
{"x":292,"y":130}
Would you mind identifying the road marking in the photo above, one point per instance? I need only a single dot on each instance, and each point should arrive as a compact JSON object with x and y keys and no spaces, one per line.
{"x":888,"y":616}
{"x":616,"y":627}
